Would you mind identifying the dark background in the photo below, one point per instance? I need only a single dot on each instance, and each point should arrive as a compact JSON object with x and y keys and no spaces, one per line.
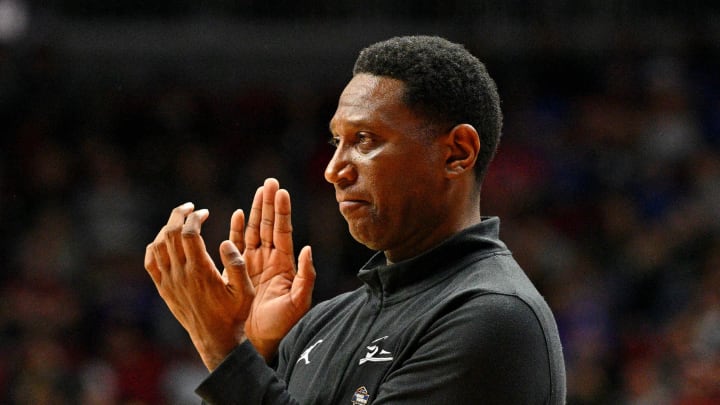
{"x":112,"y":113}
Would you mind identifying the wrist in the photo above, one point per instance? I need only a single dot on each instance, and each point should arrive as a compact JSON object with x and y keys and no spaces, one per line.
{"x":266,"y":348}
{"x":213,"y":352}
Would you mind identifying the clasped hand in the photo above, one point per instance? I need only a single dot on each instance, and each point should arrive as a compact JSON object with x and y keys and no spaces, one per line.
{"x":259,"y":295}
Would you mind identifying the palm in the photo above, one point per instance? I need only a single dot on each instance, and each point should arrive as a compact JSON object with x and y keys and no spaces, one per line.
{"x":282,"y":291}
{"x":273,"y":311}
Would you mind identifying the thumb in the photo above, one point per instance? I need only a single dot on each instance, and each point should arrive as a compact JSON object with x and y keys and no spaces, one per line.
{"x":235,"y":269}
{"x":304,"y":281}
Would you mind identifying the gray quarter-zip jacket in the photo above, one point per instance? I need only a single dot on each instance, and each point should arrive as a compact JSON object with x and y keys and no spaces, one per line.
{"x":458,"y":324}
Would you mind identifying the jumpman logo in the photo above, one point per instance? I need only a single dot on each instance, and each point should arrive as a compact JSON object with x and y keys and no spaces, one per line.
{"x":305,"y":356}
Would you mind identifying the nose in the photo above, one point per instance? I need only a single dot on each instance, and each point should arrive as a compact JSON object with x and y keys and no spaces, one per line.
{"x":340,"y":170}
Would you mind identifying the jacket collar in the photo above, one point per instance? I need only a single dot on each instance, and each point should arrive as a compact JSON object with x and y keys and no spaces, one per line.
{"x":403,"y":279}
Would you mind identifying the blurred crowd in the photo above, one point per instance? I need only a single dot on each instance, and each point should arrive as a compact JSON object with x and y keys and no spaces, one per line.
{"x":607,"y":183}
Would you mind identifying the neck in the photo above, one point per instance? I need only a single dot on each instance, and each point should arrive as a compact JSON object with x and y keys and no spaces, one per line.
{"x":447,"y":225}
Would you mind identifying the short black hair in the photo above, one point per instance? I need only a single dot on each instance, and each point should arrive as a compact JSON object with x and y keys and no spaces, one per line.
{"x":444,"y":83}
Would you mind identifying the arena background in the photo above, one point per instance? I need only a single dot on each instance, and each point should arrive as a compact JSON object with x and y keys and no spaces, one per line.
{"x":607,"y":180}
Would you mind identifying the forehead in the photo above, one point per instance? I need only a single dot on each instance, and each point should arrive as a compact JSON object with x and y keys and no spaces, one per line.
{"x":371,"y":90}
{"x":368,"y":98}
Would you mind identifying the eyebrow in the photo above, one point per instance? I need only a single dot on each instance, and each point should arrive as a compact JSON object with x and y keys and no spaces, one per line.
{"x":358,"y":123}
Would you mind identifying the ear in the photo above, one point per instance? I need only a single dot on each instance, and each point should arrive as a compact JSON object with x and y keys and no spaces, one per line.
{"x":463,"y":143}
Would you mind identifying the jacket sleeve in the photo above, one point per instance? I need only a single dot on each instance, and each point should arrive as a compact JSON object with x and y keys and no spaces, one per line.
{"x":488,"y":350}
{"x":244,"y":378}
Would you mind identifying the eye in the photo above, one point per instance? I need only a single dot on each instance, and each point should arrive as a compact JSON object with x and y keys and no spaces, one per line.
{"x":364,"y":140}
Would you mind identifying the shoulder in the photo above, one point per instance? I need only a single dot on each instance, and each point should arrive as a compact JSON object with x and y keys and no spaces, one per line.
{"x":496,"y":290}
{"x":506,"y":331}
{"x":500,"y":316}
{"x":485,"y":343}
{"x":495,"y":276}
{"x":494,"y":319}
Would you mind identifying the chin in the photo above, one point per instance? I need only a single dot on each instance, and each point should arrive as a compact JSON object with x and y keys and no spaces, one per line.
{"x":365,"y":238}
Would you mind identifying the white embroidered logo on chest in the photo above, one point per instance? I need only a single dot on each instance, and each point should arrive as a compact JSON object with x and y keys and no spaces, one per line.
{"x":376,"y":353}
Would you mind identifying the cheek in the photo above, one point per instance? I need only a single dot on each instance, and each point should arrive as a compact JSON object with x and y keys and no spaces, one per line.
{"x":401,"y":205}
{"x":401,"y":181}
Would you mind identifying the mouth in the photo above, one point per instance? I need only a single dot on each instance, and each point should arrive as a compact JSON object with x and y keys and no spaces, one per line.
{"x":351,"y":203}
{"x":350,"y":206}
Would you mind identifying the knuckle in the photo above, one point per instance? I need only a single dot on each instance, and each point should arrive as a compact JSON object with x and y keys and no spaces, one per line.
{"x":158,"y":247}
{"x":171,"y":231}
{"x":189,"y":232}
{"x":236,"y":261}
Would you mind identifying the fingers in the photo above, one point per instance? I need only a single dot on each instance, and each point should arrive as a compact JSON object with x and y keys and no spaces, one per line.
{"x":304,"y":281}
{"x":261,"y":225}
{"x":282,"y":229}
{"x":172,"y":231}
{"x":267,"y":222}
{"x":157,"y":259}
{"x":235,"y":269}
{"x":192,"y":242}
{"x":151,"y":265}
{"x":167,"y":246}
{"x":237,"y":229}
{"x":252,"y":233}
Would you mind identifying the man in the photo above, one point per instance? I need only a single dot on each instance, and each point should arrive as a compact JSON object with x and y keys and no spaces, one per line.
{"x":445,"y":314}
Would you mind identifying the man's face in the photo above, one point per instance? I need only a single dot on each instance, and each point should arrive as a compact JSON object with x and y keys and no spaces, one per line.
{"x":387,"y":173}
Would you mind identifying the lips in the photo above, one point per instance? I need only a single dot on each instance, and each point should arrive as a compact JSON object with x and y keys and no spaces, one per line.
{"x":348,"y":206}
{"x":351,"y":204}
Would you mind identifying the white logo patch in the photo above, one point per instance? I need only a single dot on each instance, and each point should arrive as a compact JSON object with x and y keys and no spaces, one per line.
{"x":376,"y":353}
{"x":305,"y":356}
